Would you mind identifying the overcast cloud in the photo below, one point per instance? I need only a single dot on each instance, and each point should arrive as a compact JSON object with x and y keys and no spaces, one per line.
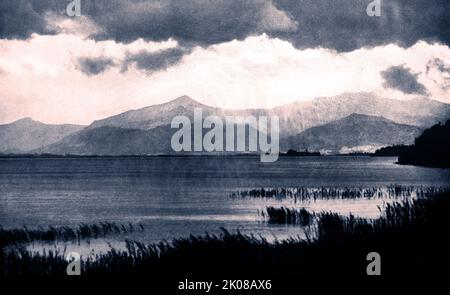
{"x":342,"y":25}
{"x":126,"y":54}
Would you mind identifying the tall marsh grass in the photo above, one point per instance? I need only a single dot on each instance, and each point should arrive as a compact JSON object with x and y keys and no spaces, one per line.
{"x":411,"y":237}
{"x":65,"y":233}
{"x":285,"y":215}
{"x":326,"y":193}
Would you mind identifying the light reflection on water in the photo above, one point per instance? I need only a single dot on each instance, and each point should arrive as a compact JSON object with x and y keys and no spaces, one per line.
{"x":175,"y":197}
{"x":371,"y":208}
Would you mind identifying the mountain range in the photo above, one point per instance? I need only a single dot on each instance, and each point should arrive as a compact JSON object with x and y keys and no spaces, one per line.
{"x":294,"y":117}
{"x":344,"y":123}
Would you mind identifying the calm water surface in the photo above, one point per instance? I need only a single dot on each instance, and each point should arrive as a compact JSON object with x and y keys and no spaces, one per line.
{"x":178,"y":196}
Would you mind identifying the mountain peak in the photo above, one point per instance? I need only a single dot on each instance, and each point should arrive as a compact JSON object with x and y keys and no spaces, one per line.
{"x":183,"y":100}
{"x":26,"y":120}
{"x":364,"y":117}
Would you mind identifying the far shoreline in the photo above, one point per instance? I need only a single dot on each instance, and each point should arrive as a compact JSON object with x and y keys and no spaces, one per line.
{"x":249,"y":155}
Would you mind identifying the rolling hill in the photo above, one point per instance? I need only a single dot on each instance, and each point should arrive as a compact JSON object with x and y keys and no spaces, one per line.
{"x":26,"y":134}
{"x":119,"y":141}
{"x":354,"y":133}
{"x":113,"y":141}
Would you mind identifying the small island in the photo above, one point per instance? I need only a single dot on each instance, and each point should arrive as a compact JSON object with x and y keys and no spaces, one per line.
{"x":294,"y":153}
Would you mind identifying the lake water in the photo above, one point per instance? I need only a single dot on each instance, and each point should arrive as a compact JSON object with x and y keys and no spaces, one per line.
{"x":178,"y":196}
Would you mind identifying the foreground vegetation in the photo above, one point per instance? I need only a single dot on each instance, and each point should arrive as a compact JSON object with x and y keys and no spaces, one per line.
{"x":52,"y":234}
{"x":411,"y":237}
{"x":288,"y":216}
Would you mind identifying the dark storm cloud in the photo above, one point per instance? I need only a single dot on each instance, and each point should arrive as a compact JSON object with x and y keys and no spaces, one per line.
{"x":195,"y":21}
{"x":401,"y":78}
{"x":342,"y":25}
{"x":154,"y":61}
{"x":20,"y":18}
{"x":94,"y":66}
{"x":345,"y":26}
{"x":439,"y":64}
{"x":199,"y":22}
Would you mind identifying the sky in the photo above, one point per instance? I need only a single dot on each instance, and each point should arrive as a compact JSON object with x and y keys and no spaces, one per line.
{"x":128,"y":54}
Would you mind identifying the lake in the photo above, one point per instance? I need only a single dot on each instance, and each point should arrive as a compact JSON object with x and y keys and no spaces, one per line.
{"x":178,"y":196}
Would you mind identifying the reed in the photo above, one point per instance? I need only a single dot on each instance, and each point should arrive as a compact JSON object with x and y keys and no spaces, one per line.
{"x":285,"y":215}
{"x":64,"y":233}
{"x":326,"y":193}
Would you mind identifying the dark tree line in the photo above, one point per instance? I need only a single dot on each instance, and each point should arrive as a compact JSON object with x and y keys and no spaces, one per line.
{"x":432,"y":148}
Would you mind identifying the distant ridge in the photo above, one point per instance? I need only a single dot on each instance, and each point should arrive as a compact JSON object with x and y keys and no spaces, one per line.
{"x":152,"y":116}
{"x":113,"y":141}
{"x":350,"y":134}
{"x":27,"y":134}
{"x":294,"y":117}
{"x":354,"y":133}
